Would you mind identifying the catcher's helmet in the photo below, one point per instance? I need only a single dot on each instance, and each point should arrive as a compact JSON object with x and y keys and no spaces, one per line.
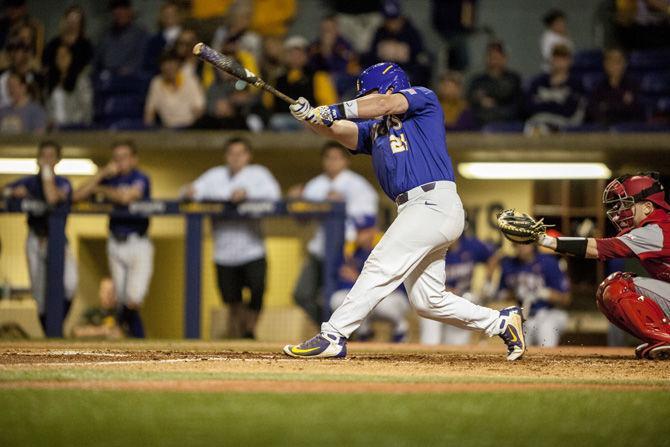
{"x":381,"y":77}
{"x":623,"y":192}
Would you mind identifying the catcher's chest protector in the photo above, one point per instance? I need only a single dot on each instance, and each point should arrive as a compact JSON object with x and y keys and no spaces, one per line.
{"x":618,"y":299}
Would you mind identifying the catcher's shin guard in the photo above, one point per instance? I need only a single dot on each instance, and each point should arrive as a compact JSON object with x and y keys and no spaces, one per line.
{"x":636,"y":314}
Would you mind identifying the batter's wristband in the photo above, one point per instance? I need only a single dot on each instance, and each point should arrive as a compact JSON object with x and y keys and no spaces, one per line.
{"x":575,"y":246}
{"x":344,"y":110}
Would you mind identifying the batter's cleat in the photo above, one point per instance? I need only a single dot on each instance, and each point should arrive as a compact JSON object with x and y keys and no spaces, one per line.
{"x":512,"y":334}
{"x":659,"y":352}
{"x":399,"y":337}
{"x":323,"y":345}
{"x":640,"y":349}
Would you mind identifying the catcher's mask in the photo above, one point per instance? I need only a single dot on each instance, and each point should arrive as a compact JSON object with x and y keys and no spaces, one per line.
{"x":623,"y":192}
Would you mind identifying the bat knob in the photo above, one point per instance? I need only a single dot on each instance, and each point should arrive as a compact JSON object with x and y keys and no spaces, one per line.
{"x":197,"y":49}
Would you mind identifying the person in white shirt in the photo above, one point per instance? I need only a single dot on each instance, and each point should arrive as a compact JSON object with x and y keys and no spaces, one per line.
{"x":239,"y":247}
{"x":336,"y":183}
{"x":555,"y":33}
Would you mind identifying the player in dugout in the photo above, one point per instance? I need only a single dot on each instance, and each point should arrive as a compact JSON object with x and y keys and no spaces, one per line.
{"x":637,"y":206}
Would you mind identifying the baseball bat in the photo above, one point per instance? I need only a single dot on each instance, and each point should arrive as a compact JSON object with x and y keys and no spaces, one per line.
{"x":233,"y":68}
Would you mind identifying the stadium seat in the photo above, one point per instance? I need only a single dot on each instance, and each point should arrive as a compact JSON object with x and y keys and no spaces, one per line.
{"x":106,"y":83}
{"x":640,"y":127}
{"x":589,"y":127}
{"x":123,"y":106}
{"x":127,"y":124}
{"x":587,"y":60}
{"x":649,"y":60}
{"x":656,"y":83}
{"x":504,"y":127}
{"x":590,"y":80}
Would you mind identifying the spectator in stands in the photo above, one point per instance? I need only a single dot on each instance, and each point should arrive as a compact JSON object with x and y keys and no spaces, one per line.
{"x":555,"y":33}
{"x":540,"y":286}
{"x":336,"y":183}
{"x":455,"y":22}
{"x":69,"y":92}
{"x":272,"y":65}
{"x":495,"y":96}
{"x":397,"y":40}
{"x":21,"y":62}
{"x":333,"y":53}
{"x":616,"y":99}
{"x":273,"y":17}
{"x":457,"y":113}
{"x":122,"y":48}
{"x":176,"y":98}
{"x":183,"y":48}
{"x":296,"y":81}
{"x":554,"y":99}
{"x":129,"y":250}
{"x":56,"y":192}
{"x":23,"y":114}
{"x":169,"y":29}
{"x":16,"y":22}
{"x":359,"y":18}
{"x":239,"y":246}
{"x":236,"y":28}
{"x":72,"y":35}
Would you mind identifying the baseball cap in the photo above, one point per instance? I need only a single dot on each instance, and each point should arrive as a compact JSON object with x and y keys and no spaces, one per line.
{"x":296,"y":42}
{"x":391,"y":9}
{"x":365,"y":221}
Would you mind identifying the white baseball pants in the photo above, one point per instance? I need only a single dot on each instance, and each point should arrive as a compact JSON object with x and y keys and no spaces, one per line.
{"x":393,"y":309}
{"x":412,"y":251}
{"x":131,"y":264}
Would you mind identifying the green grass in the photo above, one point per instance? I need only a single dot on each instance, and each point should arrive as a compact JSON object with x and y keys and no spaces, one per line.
{"x":535,"y":418}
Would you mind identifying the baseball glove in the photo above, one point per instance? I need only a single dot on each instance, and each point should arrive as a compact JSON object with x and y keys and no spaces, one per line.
{"x":520,"y":228}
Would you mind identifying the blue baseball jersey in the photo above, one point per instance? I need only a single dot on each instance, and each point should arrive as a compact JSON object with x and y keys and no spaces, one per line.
{"x":123,"y":226}
{"x":460,"y":262}
{"x":408,"y":150}
{"x":526,"y":280}
{"x":39,"y":223}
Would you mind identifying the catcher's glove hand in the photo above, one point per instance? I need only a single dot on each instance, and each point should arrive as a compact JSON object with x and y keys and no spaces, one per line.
{"x":520,"y":228}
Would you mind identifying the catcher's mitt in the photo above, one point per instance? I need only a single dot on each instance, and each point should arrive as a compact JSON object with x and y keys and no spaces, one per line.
{"x":520,"y":228}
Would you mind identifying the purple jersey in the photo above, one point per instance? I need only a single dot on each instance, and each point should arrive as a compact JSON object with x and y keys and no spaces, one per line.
{"x":39,"y":223}
{"x":460,"y":262}
{"x":526,"y":280}
{"x":123,"y":226}
{"x":408,"y":150}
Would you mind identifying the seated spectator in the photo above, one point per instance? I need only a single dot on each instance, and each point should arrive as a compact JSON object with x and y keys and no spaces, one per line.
{"x":175,"y":97}
{"x":169,"y":28}
{"x":272,"y":59}
{"x":457,"y":113}
{"x":23,"y":115}
{"x":16,"y":22}
{"x":296,"y":81}
{"x":495,"y":95}
{"x":122,"y":48}
{"x":183,"y":48}
{"x":555,"y":99}
{"x":272,"y":17}
{"x":555,"y":33}
{"x":73,"y":35}
{"x":397,"y":40}
{"x":100,"y":321}
{"x":616,"y":98}
{"x":237,"y":27}
{"x":333,"y":53}
{"x":69,"y":92}
{"x":21,"y":61}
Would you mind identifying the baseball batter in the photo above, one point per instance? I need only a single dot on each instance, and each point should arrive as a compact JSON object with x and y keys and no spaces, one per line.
{"x":401,"y":128}
{"x":54,"y":190}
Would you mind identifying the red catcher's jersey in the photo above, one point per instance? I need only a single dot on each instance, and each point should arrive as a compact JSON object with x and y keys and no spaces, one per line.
{"x":649,"y":242}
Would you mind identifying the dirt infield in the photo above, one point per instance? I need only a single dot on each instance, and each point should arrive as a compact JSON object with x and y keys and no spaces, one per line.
{"x":259,"y":367}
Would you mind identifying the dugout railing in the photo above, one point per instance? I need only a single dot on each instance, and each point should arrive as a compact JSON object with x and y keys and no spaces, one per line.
{"x":331,"y":215}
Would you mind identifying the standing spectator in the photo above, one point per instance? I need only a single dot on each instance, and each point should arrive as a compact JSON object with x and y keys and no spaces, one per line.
{"x":455,"y":21}
{"x":333,"y":53}
{"x":461,"y":259}
{"x":23,"y":115}
{"x":397,"y":40}
{"x":175,"y":97}
{"x":457,"y":113}
{"x":122,"y":48}
{"x":496,"y":94}
{"x":69,"y":92}
{"x":169,"y":28}
{"x":358,"y":18}
{"x":21,"y":62}
{"x":15,"y":16}
{"x":616,"y":98}
{"x":555,"y":33}
{"x":56,"y":192}
{"x":72,"y":35}
{"x":239,"y":247}
{"x":541,"y":288}
{"x":394,"y":307}
{"x":298,"y":80}
{"x":130,"y":251}
{"x":336,"y":183}
{"x":554,"y":99}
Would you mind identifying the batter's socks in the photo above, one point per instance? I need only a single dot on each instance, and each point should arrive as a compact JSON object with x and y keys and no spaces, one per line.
{"x":66,"y":310}
{"x":130,"y":319}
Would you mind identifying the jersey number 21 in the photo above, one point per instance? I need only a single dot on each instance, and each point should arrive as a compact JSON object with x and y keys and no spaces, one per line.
{"x":398,"y":143}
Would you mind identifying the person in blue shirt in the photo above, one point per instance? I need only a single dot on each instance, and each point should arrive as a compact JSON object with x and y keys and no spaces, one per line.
{"x":402,"y":128}
{"x":541,"y":287}
{"x":129,"y":249}
{"x":53,"y":191}
{"x":461,"y":260}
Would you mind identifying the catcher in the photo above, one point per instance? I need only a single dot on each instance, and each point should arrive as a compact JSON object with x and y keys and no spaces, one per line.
{"x":636,"y":205}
